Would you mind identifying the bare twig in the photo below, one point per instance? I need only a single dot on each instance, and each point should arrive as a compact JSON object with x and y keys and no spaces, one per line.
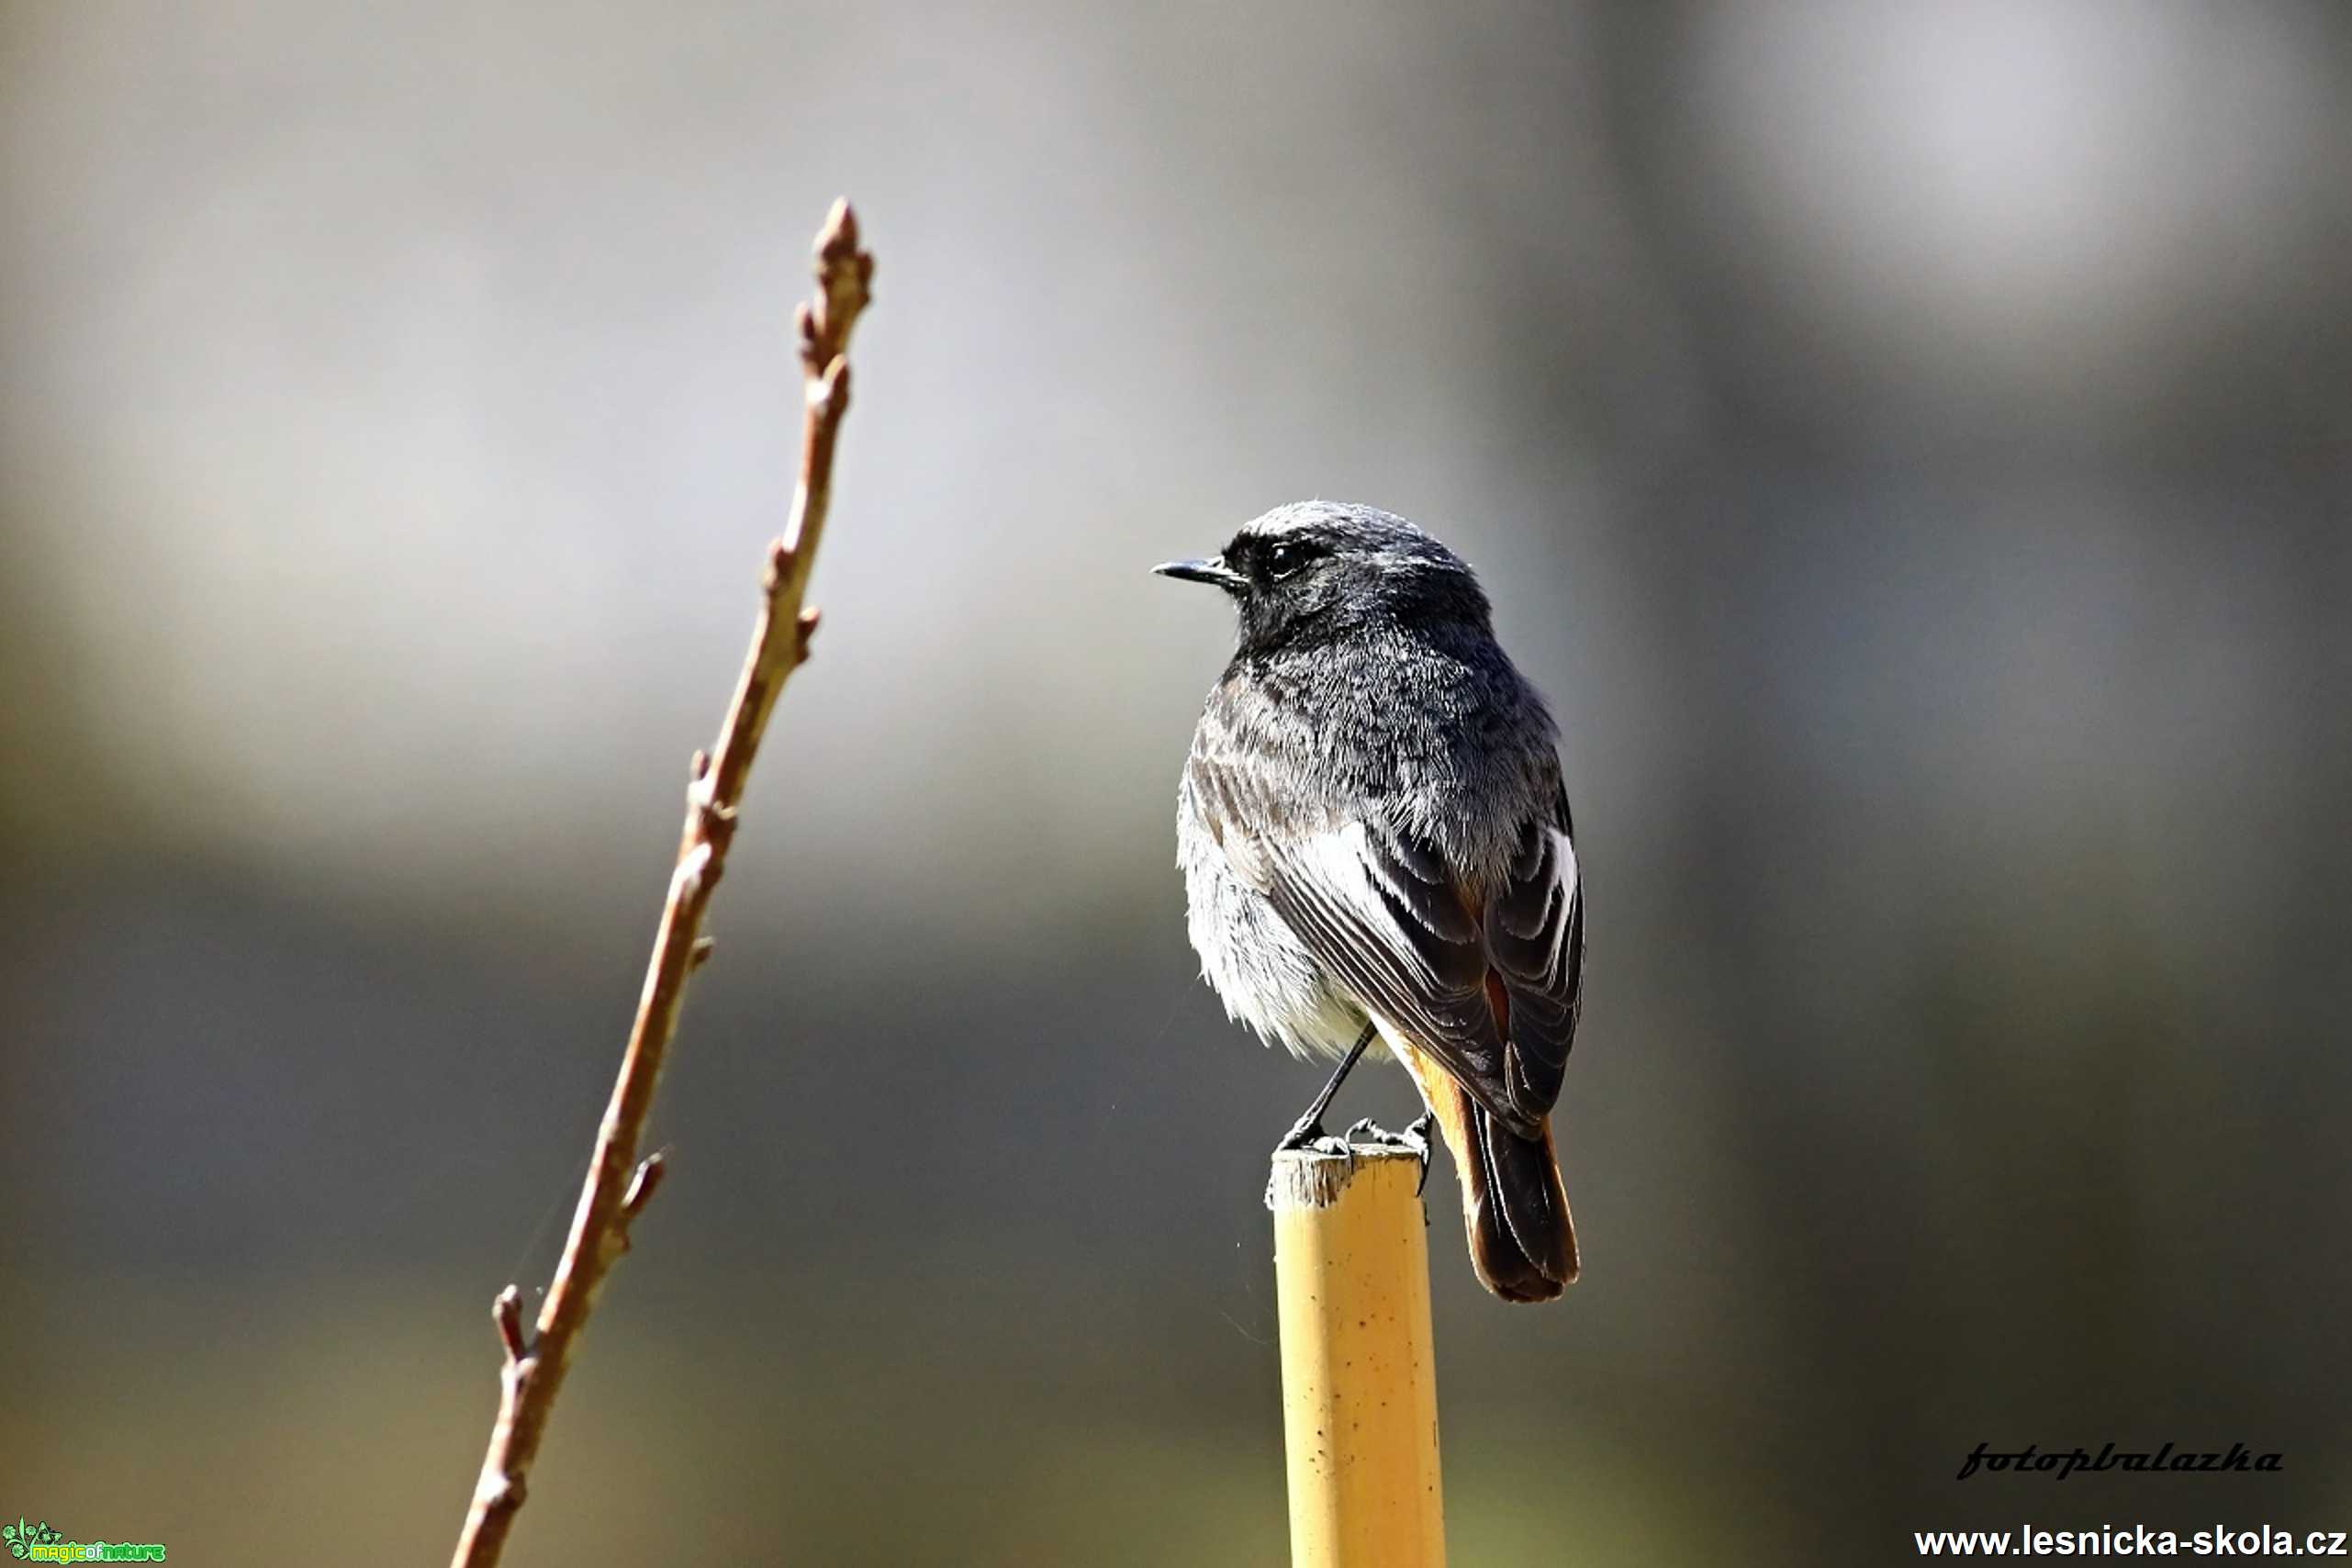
{"x":618,"y":1186}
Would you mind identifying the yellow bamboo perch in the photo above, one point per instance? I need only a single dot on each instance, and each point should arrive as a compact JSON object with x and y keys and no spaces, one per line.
{"x":1360,"y":1387}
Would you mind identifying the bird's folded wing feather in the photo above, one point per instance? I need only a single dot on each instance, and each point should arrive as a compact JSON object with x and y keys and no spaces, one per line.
{"x":1382,"y":911}
{"x":1535,"y":937}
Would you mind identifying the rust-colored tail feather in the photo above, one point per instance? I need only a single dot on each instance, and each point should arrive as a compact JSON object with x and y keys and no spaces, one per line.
{"x":1522,"y":1241}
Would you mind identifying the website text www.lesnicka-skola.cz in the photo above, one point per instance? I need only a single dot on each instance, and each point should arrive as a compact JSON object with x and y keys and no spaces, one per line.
{"x":2133,"y":1541}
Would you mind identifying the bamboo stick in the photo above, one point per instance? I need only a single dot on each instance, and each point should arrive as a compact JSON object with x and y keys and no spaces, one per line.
{"x":1359,"y":1389}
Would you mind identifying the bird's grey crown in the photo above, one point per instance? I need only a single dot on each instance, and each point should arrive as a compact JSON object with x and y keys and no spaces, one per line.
{"x":1361,"y":532}
{"x":1370,"y":524}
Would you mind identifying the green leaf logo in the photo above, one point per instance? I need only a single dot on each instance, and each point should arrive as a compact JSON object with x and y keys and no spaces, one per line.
{"x":22,"y":1538}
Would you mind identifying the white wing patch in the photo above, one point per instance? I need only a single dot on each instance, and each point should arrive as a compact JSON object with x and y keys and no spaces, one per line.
{"x":1565,"y":889}
{"x":1344,"y":864}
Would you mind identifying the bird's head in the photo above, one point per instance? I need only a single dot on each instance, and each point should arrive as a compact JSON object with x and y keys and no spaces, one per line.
{"x":1316,"y":569}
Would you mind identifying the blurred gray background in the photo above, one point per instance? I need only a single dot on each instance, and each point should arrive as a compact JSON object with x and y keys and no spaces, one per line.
{"x":1910,"y":442}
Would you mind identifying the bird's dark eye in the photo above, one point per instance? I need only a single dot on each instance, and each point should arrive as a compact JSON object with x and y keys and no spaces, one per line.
{"x":1285,"y":558}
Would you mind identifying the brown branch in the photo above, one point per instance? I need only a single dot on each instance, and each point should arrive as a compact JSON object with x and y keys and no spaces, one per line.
{"x":618,"y":1186}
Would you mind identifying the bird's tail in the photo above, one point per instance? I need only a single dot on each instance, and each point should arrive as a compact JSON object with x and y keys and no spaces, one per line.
{"x":1521,"y":1240}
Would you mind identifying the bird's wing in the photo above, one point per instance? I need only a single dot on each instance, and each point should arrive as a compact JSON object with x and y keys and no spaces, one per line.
{"x":1384,"y":914}
{"x":1535,"y":937}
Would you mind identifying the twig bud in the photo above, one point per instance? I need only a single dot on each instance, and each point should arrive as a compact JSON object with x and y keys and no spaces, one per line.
{"x":646,"y":1181}
{"x":507,"y":1313}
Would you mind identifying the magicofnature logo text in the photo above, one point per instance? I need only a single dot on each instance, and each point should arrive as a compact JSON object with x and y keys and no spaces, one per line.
{"x":41,"y":1543}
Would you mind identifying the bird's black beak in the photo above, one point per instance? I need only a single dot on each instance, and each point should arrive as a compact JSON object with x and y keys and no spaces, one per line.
{"x":1211,"y":569}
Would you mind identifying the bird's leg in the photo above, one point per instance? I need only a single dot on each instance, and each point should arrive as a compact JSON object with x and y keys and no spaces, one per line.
{"x":1417,"y":1134}
{"x":1309,"y":1128}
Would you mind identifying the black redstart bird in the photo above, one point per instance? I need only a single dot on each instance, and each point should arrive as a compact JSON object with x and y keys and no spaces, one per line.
{"x":1376,"y":844}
